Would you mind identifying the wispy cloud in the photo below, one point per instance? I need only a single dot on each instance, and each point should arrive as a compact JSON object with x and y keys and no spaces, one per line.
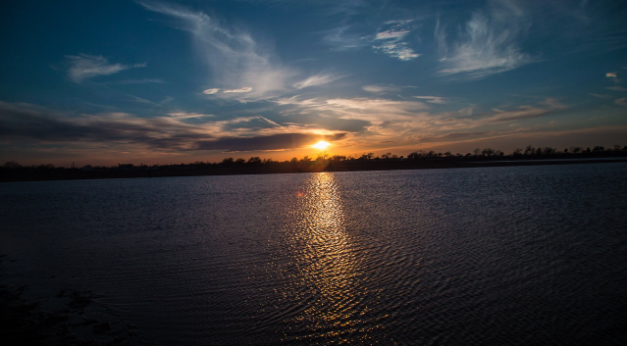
{"x":617,"y":88}
{"x":611,"y":75}
{"x":136,"y":81}
{"x":85,"y":66}
{"x":621,"y":102}
{"x":489,"y":44}
{"x":384,"y":35}
{"x":380,"y":88}
{"x":601,"y":96}
{"x":237,"y":61}
{"x":391,"y":41}
{"x":318,"y":79}
{"x":188,"y":115}
{"x":373,"y":110}
{"x":240,"y":90}
{"x":548,"y":106}
{"x":432,"y":99}
{"x":340,"y":38}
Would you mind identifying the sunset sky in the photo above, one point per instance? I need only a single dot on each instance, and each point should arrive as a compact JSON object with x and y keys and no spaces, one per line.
{"x":108,"y":82}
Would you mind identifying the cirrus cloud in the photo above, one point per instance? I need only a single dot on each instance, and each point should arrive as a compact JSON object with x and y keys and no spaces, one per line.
{"x":85,"y":66}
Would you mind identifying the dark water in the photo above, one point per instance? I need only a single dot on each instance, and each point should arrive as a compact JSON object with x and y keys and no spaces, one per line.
{"x":494,"y":256}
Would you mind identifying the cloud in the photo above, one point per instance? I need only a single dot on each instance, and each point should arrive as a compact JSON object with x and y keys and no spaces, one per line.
{"x":211,"y":91}
{"x":85,"y":66}
{"x":340,"y":39}
{"x":489,"y":44}
{"x":526,"y":111}
{"x":318,"y":79}
{"x":36,"y":123}
{"x":188,"y":115}
{"x":391,"y":34}
{"x":375,"y":111}
{"x":237,"y":61}
{"x":621,"y":102}
{"x":392,"y":40}
{"x":432,"y":99}
{"x":136,"y":81}
{"x":523,"y":112}
{"x":611,"y":75}
{"x":179,"y":131}
{"x":397,"y":50}
{"x":381,"y":88}
{"x":254,"y":123}
{"x":449,"y":136}
{"x":282,"y":141}
{"x":601,"y":96}
{"x":240,"y":90}
{"x":617,"y":88}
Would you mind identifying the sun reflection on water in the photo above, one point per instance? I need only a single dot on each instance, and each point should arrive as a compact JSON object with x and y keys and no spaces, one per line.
{"x":330,"y":282}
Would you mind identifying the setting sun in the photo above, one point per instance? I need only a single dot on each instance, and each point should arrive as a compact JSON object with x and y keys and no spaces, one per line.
{"x":321,"y":145}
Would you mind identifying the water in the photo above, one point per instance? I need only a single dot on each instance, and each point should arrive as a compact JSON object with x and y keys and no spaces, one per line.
{"x":484,"y":256}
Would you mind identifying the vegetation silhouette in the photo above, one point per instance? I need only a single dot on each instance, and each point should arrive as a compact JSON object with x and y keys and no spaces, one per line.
{"x":13,"y":171}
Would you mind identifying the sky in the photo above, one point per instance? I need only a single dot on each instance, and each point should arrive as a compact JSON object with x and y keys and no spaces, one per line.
{"x":154,"y":82}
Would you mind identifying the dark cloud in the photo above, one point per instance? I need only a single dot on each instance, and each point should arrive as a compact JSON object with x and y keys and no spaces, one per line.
{"x":452,"y":135}
{"x":330,"y":122}
{"x":36,"y":123}
{"x":273,"y":142}
{"x":254,"y":123}
{"x":40,"y":124}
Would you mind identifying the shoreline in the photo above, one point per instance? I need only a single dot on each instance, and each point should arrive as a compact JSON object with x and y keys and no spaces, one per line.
{"x":284,"y":167}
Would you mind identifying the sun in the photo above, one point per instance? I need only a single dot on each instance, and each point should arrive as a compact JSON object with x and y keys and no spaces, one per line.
{"x":321,"y":145}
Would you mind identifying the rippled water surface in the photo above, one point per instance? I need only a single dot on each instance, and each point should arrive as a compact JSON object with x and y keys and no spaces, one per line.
{"x":486,"y":256}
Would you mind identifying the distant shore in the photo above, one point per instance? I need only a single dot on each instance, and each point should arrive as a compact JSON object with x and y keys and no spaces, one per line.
{"x":42,"y":173}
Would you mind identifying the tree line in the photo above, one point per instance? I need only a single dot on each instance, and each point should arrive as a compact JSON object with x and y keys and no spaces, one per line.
{"x":325,"y":158}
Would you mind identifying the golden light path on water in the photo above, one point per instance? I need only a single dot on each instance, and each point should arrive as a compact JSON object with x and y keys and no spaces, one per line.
{"x":330,"y":282}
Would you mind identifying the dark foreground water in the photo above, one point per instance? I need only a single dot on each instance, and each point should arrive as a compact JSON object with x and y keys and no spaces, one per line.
{"x":486,"y":256}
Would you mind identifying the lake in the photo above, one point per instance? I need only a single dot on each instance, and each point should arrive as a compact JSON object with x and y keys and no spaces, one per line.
{"x":480,"y":256}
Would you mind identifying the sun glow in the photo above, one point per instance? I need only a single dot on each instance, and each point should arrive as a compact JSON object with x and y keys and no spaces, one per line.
{"x":321,"y":145}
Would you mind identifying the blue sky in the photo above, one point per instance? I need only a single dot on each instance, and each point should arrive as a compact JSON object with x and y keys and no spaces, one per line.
{"x":104,"y":82}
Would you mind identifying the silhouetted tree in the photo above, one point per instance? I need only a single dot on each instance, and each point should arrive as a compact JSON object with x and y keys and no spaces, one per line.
{"x":12,"y":164}
{"x":598,"y":148}
{"x":240,"y":161}
{"x":487,"y":152}
{"x":227,"y":161}
{"x":529,"y":150}
{"x":477,"y":151}
{"x":517,"y":152}
{"x":254,"y":160}
{"x":338,"y":158}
